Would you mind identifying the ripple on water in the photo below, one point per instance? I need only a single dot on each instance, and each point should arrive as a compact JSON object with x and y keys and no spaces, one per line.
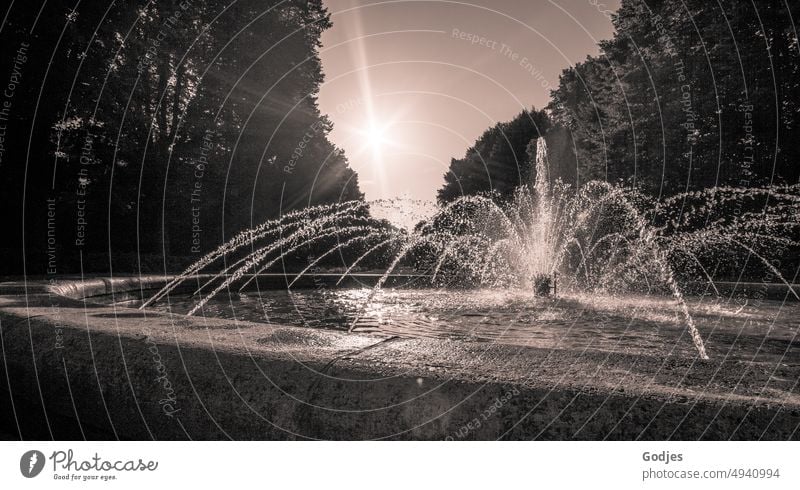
{"x":646,"y":324}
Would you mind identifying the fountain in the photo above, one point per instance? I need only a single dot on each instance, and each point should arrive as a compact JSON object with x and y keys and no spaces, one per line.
{"x":600,"y":238}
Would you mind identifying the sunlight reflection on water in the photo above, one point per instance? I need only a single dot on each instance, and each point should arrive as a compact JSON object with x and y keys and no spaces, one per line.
{"x":628,"y":323}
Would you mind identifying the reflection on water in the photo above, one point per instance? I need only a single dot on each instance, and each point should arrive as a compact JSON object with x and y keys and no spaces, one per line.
{"x":640,"y":324}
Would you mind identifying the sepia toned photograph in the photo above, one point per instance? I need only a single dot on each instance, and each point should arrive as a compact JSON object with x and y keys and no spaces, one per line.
{"x":416,"y":220}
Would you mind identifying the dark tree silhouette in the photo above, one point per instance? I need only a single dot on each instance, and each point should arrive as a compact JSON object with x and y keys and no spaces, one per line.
{"x":162,"y":128}
{"x":688,"y":95}
{"x":499,"y":161}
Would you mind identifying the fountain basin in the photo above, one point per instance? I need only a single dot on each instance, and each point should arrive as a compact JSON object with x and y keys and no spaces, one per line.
{"x":100,"y":369}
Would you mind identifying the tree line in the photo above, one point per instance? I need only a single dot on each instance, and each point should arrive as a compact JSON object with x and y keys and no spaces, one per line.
{"x":687,"y":95}
{"x":143,"y":134}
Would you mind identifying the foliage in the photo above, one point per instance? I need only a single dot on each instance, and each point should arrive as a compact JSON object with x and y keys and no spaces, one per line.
{"x":170,"y":126}
{"x":499,"y":161}
{"x":687,"y":95}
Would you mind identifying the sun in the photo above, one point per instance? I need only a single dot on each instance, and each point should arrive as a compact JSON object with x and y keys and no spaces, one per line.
{"x":375,"y":137}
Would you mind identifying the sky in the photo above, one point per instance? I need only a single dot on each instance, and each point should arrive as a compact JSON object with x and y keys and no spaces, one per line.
{"x":411,"y":84}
